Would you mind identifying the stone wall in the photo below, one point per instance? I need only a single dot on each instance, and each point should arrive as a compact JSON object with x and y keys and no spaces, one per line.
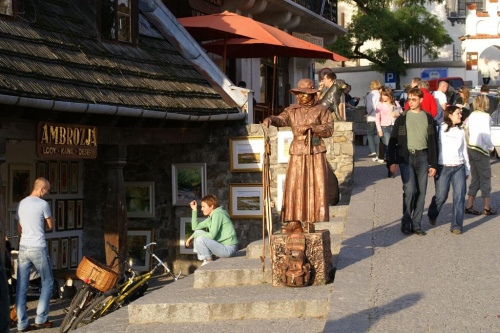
{"x":154,"y":163}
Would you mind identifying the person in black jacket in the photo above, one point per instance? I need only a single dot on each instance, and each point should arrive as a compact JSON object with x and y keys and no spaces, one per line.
{"x":413,"y":146}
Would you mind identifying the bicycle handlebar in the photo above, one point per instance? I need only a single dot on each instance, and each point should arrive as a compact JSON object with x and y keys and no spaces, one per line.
{"x":146,"y":247}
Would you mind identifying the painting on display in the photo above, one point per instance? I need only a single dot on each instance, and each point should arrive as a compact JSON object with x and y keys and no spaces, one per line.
{"x":188,"y":183}
{"x":140,"y":259}
{"x":140,"y":199}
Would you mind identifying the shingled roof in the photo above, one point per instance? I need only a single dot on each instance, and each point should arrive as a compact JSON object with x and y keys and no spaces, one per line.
{"x":52,"y":52}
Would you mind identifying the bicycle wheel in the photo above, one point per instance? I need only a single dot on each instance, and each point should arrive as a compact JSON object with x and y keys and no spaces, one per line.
{"x":91,"y":313}
{"x":80,"y":302}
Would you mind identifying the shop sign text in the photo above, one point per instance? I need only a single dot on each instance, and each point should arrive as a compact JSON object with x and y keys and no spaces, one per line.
{"x":66,"y":141}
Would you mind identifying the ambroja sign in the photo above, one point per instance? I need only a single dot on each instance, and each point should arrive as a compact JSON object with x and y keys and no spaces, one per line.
{"x":66,"y":141}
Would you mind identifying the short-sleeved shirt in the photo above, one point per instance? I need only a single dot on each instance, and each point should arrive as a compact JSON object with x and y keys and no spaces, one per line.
{"x":416,"y":126}
{"x":32,"y":213}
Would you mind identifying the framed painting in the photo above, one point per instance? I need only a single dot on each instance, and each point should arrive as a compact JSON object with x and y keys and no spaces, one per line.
{"x":20,"y":182}
{"x":60,"y":215}
{"x":54,"y":176}
{"x":73,"y":177}
{"x":285,"y":139}
{"x":136,"y":239}
{"x":246,"y":154}
{"x":47,"y":229}
{"x":245,"y":201}
{"x":140,"y":199}
{"x":41,"y":169}
{"x":73,"y":252}
{"x":64,"y":255}
{"x":186,"y":232}
{"x":189,"y":182}
{"x":281,"y":188}
{"x":54,"y":253}
{"x":70,"y":214}
{"x":79,"y":214}
{"x":63,"y":177}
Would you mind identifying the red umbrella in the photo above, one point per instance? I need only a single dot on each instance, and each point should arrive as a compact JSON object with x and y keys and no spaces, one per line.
{"x":254,"y":48}
{"x":244,"y":37}
{"x":241,"y":35}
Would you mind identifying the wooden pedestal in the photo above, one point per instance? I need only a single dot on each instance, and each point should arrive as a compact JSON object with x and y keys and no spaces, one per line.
{"x":318,"y":254}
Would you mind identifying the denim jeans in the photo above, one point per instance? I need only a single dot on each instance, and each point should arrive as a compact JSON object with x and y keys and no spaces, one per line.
{"x":446,"y":175}
{"x":386,"y":131}
{"x":372,"y":136}
{"x":206,"y":247}
{"x":28,"y":257}
{"x":414,"y":176}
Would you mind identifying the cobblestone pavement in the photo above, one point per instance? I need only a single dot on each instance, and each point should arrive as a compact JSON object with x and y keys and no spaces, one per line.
{"x":389,"y":282}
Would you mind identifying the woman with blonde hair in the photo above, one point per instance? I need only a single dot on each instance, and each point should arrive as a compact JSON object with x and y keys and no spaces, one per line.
{"x":479,"y":146}
{"x":372,"y":99}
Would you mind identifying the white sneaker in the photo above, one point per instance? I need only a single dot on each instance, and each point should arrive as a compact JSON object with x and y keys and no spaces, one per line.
{"x":205,"y":263}
{"x":376,"y":159}
{"x":372,"y":154}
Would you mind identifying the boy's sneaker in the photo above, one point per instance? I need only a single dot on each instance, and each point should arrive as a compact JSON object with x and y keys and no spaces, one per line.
{"x":372,"y":154}
{"x":205,"y":263}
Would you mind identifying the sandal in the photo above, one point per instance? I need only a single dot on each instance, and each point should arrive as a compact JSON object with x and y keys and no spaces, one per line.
{"x":472,"y":211}
{"x":490,"y":211}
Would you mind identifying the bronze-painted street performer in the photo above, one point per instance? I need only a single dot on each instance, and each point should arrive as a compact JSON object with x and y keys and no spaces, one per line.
{"x":305,"y":196}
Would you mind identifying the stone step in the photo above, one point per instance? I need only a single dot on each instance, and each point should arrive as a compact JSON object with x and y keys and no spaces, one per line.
{"x":235,"y":271}
{"x":178,"y":302}
{"x":311,"y":325}
{"x":254,"y":249}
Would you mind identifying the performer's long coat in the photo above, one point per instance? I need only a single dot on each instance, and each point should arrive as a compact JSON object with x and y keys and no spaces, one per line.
{"x":305,"y":196}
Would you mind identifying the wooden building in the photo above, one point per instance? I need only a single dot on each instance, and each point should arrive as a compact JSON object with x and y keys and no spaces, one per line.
{"x":101,"y":98}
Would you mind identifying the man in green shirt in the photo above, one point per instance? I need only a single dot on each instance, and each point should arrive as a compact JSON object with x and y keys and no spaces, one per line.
{"x":413,"y":146}
{"x":220,"y":239}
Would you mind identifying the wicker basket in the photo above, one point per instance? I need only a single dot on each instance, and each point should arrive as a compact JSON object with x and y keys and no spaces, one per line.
{"x":96,"y":274}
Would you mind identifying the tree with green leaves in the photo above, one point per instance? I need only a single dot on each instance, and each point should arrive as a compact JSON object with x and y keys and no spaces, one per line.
{"x":397,"y":25}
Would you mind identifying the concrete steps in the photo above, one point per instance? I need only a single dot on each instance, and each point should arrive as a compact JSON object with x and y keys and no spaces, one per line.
{"x":310,"y":325}
{"x":179,"y":302}
{"x":233,"y":295}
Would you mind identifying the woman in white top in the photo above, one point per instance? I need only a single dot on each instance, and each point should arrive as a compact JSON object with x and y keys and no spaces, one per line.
{"x":479,"y":147}
{"x":372,"y":99}
{"x":453,"y":168}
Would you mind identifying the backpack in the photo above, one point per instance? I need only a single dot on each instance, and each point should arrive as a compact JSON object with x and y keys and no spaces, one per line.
{"x":295,"y":271}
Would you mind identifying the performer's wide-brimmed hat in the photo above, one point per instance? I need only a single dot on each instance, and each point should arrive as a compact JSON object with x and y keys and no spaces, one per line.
{"x":305,"y":86}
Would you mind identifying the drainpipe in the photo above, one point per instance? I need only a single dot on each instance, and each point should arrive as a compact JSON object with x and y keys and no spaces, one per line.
{"x":113,"y":110}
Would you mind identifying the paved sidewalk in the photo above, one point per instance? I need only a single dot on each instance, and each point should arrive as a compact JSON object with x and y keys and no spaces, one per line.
{"x":389,"y":282}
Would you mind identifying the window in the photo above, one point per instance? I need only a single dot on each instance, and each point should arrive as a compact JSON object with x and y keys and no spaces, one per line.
{"x":118,"y":19}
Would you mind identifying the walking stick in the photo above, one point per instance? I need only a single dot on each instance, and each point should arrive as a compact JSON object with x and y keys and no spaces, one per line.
{"x":266,"y":192}
{"x":309,"y":142}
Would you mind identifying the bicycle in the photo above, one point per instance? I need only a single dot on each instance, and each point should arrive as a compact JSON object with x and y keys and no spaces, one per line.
{"x":134,"y":287}
{"x":85,"y":295}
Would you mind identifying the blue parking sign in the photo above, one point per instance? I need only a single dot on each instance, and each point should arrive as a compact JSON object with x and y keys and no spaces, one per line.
{"x":390,"y":79}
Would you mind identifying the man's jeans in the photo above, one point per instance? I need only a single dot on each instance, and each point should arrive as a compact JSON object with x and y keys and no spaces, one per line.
{"x":206,"y":247}
{"x":39,"y":257}
{"x":446,"y":175}
{"x":414,"y":176}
